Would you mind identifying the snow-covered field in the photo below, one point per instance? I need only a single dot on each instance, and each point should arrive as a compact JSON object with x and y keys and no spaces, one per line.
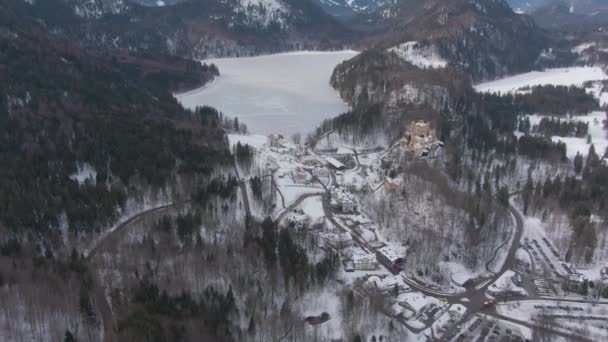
{"x":282,"y":93}
{"x":255,"y":141}
{"x":597,"y":132}
{"x":575,"y":76}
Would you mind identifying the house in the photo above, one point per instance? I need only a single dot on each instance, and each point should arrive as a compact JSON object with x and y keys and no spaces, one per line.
{"x":390,"y":258}
{"x":334,"y":163}
{"x":576,"y":282}
{"x":299,"y":175}
{"x":343,"y":201}
{"x":275,"y":140}
{"x":348,"y":206}
{"x":365,"y":262}
{"x":321,"y":172}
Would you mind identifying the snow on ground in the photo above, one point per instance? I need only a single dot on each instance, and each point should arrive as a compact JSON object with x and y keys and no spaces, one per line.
{"x":522,"y":255}
{"x":527,"y":311}
{"x":292,"y":191}
{"x":282,"y":93}
{"x":314,"y":303}
{"x":447,"y":319}
{"x":255,"y":141}
{"x":582,"y":47}
{"x":596,"y":90}
{"x":576,"y":76}
{"x":419,"y":55}
{"x":501,"y":254}
{"x":597,"y":132}
{"x":262,"y":12}
{"x":458,"y":273}
{"x":535,"y":230}
{"x":85,"y":172}
{"x":313,"y":207}
{"x":505,"y":283}
{"x":417,"y":300}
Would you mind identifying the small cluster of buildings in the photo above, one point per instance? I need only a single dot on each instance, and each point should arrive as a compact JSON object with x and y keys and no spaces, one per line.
{"x":279,"y":144}
{"x":342,"y":200}
{"x":576,"y":282}
{"x":391,"y":259}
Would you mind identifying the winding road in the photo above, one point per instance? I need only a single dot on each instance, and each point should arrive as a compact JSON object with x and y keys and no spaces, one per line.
{"x":101,"y":301}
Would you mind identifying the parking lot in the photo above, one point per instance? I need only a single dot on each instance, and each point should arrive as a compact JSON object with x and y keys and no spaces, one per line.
{"x":485,"y":330}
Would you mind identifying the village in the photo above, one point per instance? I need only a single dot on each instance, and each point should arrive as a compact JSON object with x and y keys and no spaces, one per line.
{"x":319,"y":191}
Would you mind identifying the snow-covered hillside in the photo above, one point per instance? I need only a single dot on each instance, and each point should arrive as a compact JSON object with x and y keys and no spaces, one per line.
{"x":346,"y":8}
{"x":420,"y":55}
{"x":98,"y":8}
{"x":262,"y":12}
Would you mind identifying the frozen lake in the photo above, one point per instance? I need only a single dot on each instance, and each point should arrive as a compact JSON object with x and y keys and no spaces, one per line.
{"x":282,"y":93}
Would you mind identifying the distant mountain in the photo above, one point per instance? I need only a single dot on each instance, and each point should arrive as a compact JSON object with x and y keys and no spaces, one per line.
{"x":350,"y":8}
{"x":573,"y":16}
{"x":484,"y":37}
{"x":194,"y":28}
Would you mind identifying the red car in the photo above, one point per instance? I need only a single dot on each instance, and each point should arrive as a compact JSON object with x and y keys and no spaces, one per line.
{"x":490,"y":303}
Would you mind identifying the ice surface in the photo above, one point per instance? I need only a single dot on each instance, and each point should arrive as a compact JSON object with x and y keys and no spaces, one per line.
{"x":281,"y":93}
{"x":561,"y":76}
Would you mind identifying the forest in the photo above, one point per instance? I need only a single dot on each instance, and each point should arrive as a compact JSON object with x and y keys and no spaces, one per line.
{"x":63,"y":110}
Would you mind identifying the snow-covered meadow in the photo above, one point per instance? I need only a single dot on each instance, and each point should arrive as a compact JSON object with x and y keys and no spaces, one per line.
{"x":572,"y":76}
{"x":282,"y":93}
{"x":597,"y":135}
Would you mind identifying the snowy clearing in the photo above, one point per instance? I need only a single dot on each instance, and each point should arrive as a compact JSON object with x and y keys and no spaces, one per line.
{"x":576,"y":76}
{"x":255,"y":141}
{"x":85,"y":172}
{"x":313,"y":207}
{"x":419,"y":55}
{"x":281,"y":93}
{"x":597,"y":133}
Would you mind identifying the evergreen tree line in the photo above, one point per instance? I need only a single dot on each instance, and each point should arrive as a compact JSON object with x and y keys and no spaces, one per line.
{"x":64,"y":108}
{"x":580,"y":197}
{"x":280,"y":249}
{"x":155,"y":315}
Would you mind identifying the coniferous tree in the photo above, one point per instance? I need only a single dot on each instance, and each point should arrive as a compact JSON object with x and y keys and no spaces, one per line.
{"x":578,"y":163}
{"x":69,"y":337}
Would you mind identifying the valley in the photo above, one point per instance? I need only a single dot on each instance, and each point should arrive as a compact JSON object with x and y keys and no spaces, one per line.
{"x":303,"y":170}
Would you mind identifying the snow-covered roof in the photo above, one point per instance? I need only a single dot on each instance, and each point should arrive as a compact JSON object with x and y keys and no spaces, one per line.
{"x":363,"y":258}
{"x":334,"y":162}
{"x":390,"y":253}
